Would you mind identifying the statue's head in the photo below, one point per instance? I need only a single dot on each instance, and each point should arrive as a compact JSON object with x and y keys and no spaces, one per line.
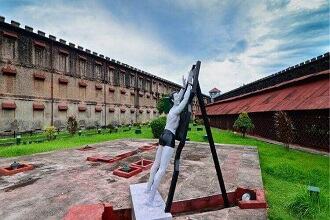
{"x":175,"y":98}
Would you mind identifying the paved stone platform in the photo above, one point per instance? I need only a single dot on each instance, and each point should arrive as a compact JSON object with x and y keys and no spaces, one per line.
{"x":64,"y":178}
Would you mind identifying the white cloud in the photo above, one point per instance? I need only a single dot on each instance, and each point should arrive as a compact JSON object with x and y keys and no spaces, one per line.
{"x":306,"y":4}
{"x":93,"y":26}
{"x":90,"y":25}
{"x":262,"y":36}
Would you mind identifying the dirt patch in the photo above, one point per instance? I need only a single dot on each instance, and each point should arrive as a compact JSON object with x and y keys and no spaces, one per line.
{"x":194,"y":157}
{"x":144,"y":178}
{"x":21,"y":183}
{"x":111,"y":180}
{"x":95,"y":164}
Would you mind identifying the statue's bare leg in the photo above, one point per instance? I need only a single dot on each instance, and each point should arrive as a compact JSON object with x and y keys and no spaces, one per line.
{"x":164,"y":162}
{"x":154,"y":168}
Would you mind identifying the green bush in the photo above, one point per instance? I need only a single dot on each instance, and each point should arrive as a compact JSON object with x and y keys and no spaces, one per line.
{"x":243,"y":123}
{"x":158,"y":126}
{"x":50,"y":132}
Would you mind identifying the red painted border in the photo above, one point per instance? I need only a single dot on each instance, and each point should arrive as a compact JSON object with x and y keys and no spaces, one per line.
{"x":258,"y":203}
{"x":90,"y":212}
{"x":108,"y":159}
{"x":133,"y":172}
{"x":178,"y":207}
{"x":147,"y":147}
{"x":198,"y":204}
{"x":6,"y":171}
{"x":105,"y":159}
{"x":144,"y":164}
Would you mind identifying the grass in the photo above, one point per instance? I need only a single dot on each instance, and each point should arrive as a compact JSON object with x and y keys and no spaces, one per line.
{"x":286,"y":173}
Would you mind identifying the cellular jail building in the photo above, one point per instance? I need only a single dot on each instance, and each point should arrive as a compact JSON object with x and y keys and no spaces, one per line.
{"x":44,"y":80}
{"x":301,"y":90}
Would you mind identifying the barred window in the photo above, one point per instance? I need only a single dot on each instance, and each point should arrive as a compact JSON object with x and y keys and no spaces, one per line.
{"x":98,"y":71}
{"x":140,"y":82}
{"x":63,"y":62}
{"x":82,"y":67}
{"x":147,"y":85}
{"x":9,"y":48}
{"x":122,"y":79}
{"x":111,"y":76}
{"x":39,"y":56}
{"x":154,"y":87}
{"x":132,"y":79}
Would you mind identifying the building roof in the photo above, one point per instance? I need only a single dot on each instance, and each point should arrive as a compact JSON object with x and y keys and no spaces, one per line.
{"x":214,"y":90}
{"x":308,"y":67}
{"x":304,"y":93}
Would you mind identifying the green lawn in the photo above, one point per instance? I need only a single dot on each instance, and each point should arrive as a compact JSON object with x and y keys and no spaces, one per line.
{"x":285,"y":173}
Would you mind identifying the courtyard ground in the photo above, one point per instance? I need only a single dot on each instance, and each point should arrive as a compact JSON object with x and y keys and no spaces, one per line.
{"x":64,"y":178}
{"x":285,"y":173}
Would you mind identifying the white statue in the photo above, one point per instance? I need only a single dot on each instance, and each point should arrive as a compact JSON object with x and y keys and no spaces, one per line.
{"x":167,"y":140}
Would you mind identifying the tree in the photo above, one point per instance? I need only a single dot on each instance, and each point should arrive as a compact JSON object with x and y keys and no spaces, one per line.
{"x":243,"y":123}
{"x":283,"y":128}
{"x":163,"y":105}
{"x":72,"y":125}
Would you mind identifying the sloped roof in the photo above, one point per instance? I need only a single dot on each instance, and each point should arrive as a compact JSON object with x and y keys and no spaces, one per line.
{"x":214,"y":90}
{"x":308,"y":67}
{"x":304,"y":93}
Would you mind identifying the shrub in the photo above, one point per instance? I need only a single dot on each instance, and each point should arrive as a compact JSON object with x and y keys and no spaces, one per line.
{"x":72,"y":125}
{"x":283,"y":128}
{"x":243,"y":123}
{"x":111,"y":126}
{"x":125,"y":168}
{"x":158,"y":126}
{"x":50,"y":132}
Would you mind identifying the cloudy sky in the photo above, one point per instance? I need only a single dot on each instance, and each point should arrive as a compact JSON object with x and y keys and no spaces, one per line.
{"x":237,"y":41}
